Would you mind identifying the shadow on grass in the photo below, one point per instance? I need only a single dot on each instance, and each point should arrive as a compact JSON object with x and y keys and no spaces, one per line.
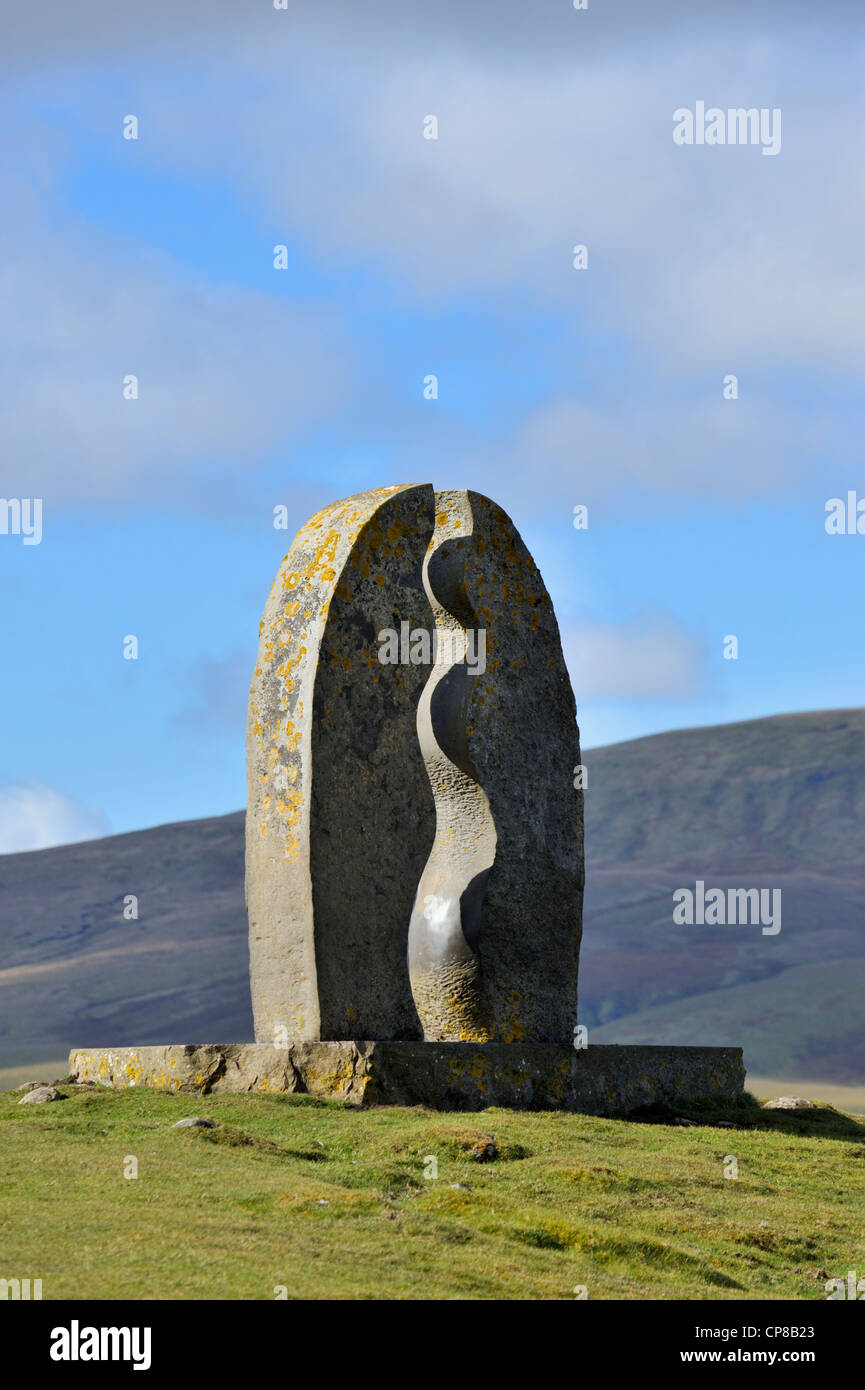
{"x":818,"y":1122}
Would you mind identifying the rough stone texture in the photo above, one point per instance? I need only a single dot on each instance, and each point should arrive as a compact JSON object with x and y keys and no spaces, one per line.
{"x":40,"y":1095}
{"x":354,"y":856}
{"x":340,"y":819}
{"x":789,"y":1103}
{"x":336,"y":1069}
{"x":444,"y":1076}
{"x":194,"y":1122}
{"x":495,"y":932}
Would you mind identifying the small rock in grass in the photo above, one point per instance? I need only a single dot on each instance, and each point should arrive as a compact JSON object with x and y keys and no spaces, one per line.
{"x":195,"y":1123}
{"x":459,"y":1187}
{"x":789,"y":1103}
{"x":724,"y":1124}
{"x":40,"y":1094}
{"x":680,"y":1120}
{"x":485,"y":1151}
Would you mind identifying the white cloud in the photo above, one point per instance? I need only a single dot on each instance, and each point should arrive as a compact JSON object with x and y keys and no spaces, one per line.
{"x":36,"y":816}
{"x":698,"y":257}
{"x":223,"y":374}
{"x":555,"y":127}
{"x":707,"y":448}
{"x":648,"y":658}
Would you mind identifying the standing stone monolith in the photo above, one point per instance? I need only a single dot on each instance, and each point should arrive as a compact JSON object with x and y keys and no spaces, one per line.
{"x":414,"y":836}
{"x":339,"y":814}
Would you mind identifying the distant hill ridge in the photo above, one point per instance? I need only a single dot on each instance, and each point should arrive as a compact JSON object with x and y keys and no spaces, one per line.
{"x":776,"y":802}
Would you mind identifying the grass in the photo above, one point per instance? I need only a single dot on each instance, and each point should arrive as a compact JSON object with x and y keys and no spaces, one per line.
{"x":843,"y":1097}
{"x":13,"y":1076}
{"x":334,"y":1203}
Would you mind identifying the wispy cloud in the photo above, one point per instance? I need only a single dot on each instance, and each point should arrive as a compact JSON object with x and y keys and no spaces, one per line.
{"x":36,"y":816}
{"x":648,"y":658}
{"x":218,"y":694}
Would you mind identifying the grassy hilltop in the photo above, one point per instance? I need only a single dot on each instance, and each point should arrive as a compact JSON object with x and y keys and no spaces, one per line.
{"x":334,"y":1203}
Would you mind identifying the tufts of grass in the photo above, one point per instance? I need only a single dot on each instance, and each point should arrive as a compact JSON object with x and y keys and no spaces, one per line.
{"x":330,"y":1202}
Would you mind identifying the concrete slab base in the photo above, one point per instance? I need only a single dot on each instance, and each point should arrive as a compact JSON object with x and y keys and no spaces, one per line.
{"x":606,"y":1080}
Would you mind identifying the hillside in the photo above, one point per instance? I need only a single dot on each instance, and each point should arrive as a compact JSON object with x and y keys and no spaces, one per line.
{"x":775,"y":803}
{"x":307,"y":1198}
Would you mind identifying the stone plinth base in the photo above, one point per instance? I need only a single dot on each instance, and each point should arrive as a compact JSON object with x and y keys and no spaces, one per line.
{"x":605,"y":1080}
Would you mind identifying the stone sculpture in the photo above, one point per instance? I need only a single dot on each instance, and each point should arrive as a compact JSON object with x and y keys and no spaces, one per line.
{"x":414,"y":840}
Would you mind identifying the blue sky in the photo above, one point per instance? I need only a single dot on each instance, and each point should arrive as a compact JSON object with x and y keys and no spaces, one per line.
{"x":409,"y":256}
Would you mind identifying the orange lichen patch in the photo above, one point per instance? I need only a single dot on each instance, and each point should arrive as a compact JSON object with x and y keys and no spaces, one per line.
{"x":512,"y":1028}
{"x":480,"y":1067}
{"x":289,"y":806}
{"x":292,"y":736}
{"x":474,"y":1035}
